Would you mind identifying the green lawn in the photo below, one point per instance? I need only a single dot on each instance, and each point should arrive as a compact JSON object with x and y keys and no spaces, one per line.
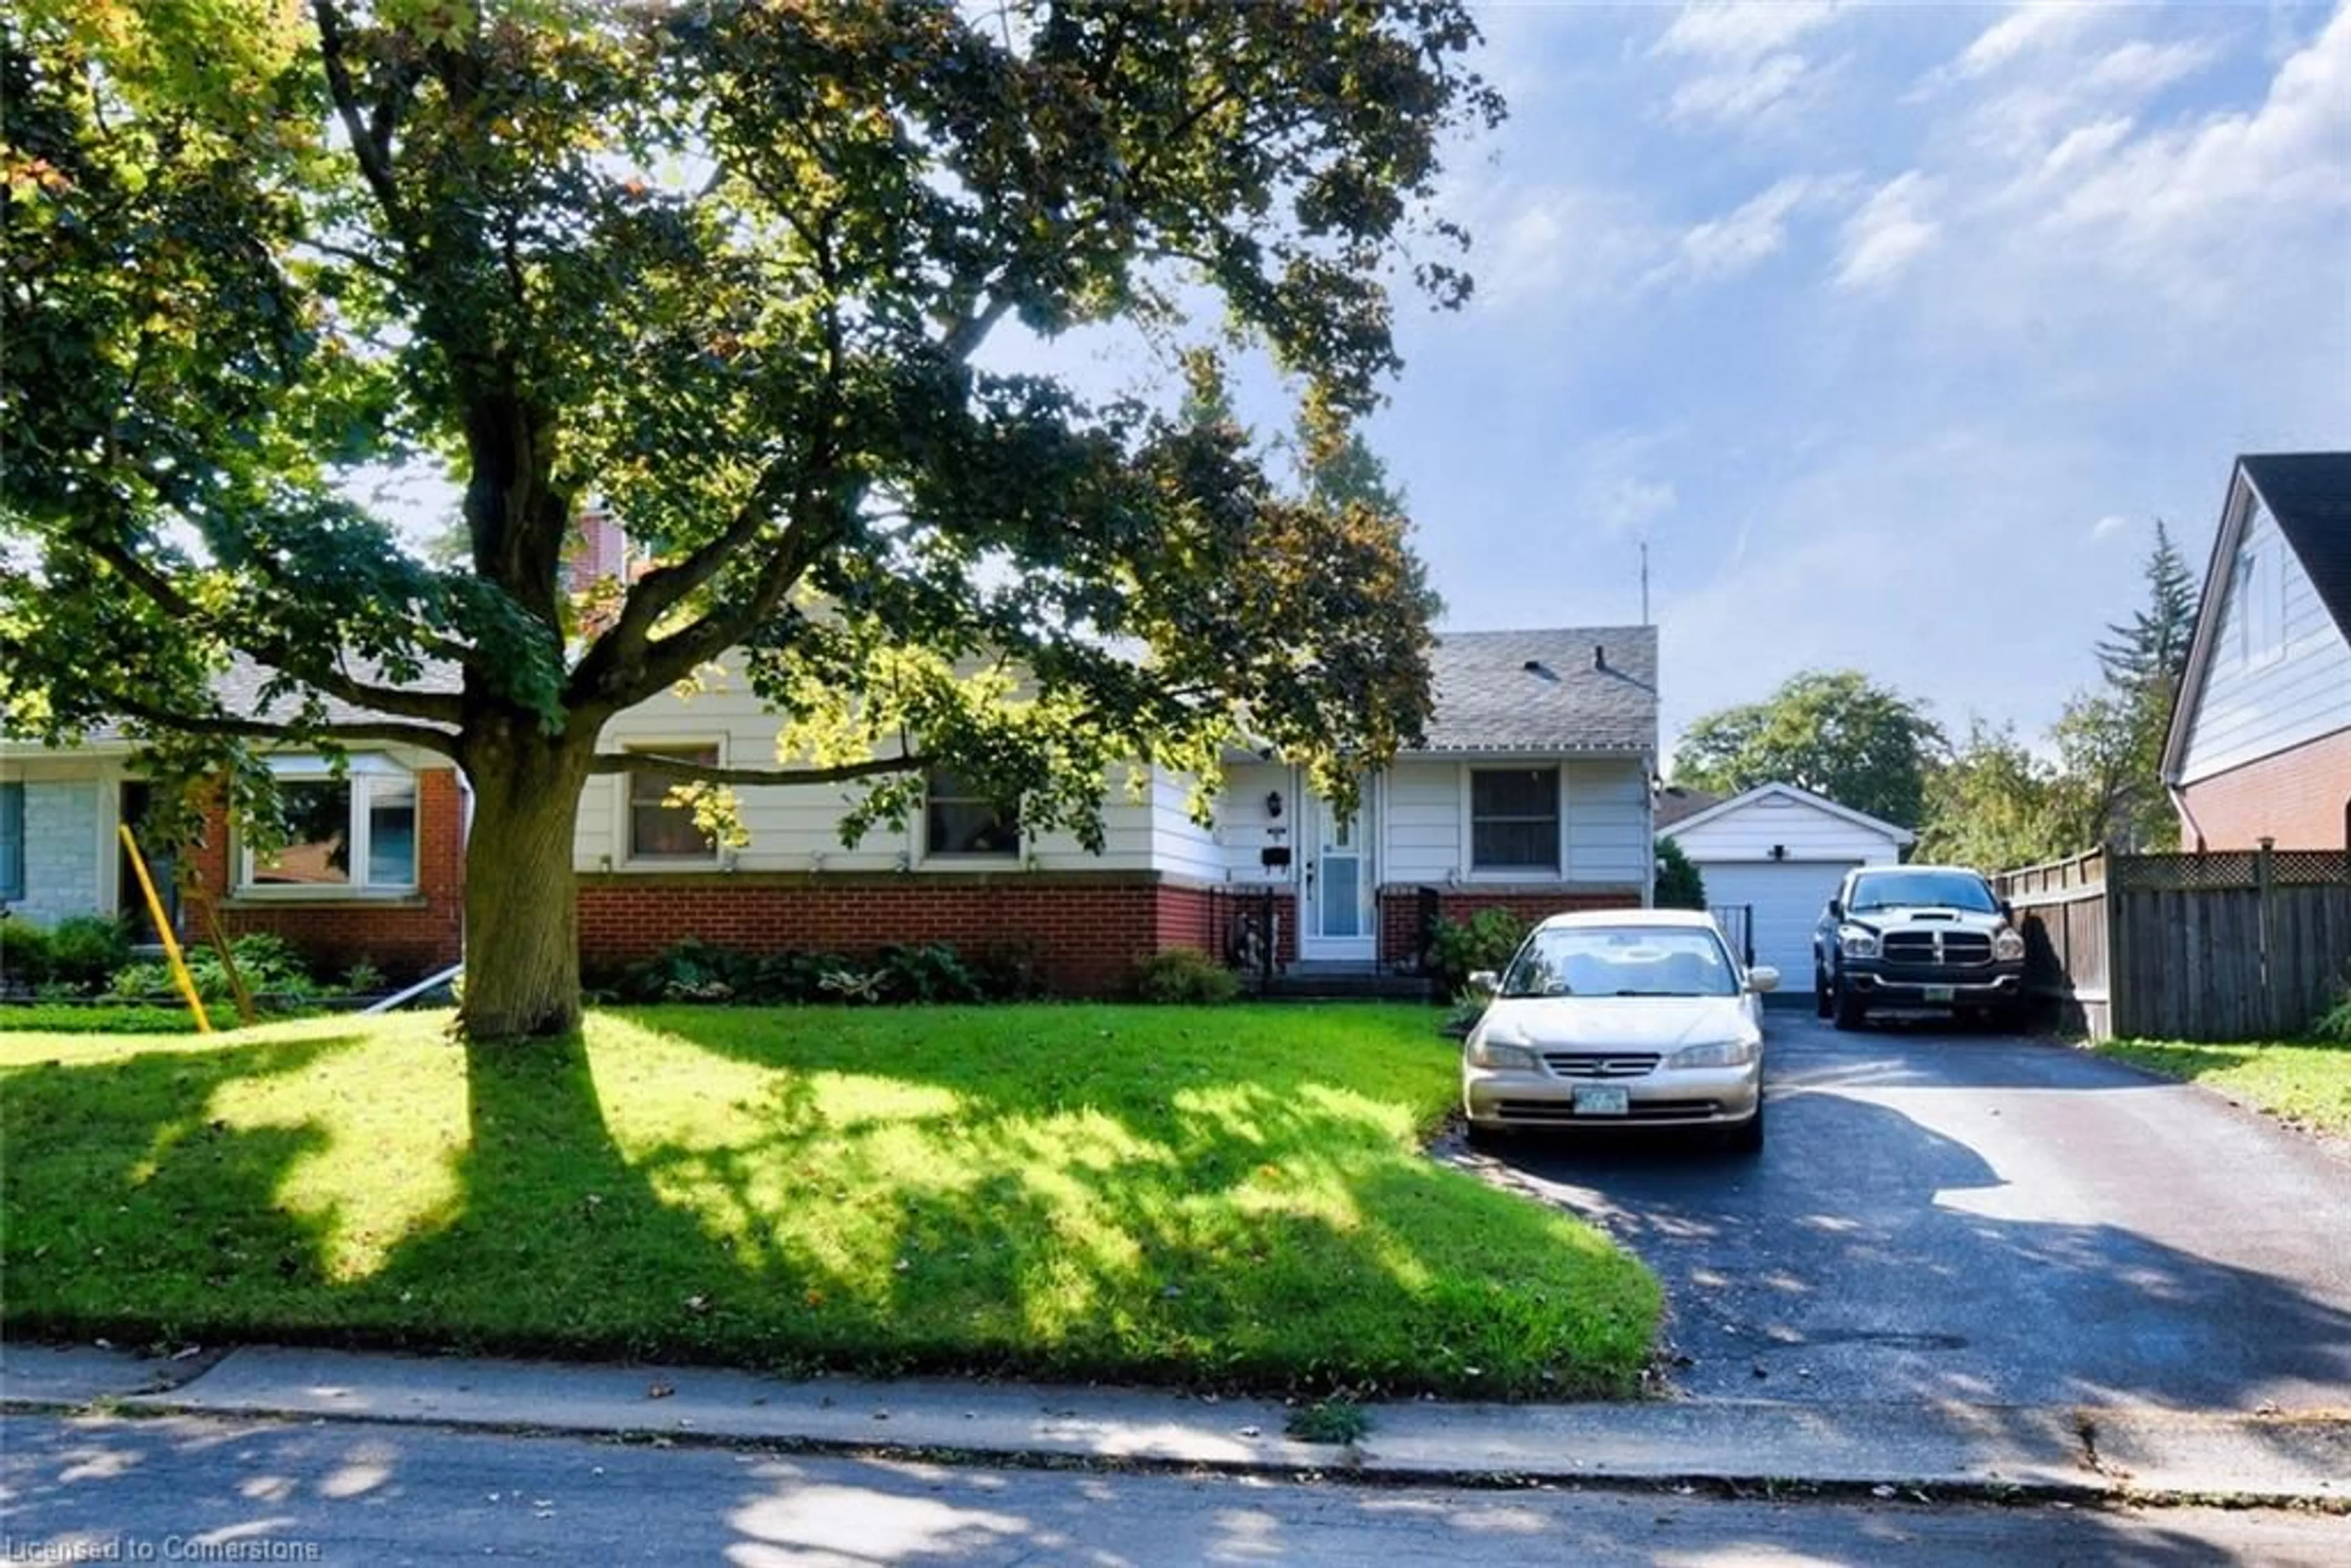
{"x":1230,"y":1196}
{"x":2308,"y":1084}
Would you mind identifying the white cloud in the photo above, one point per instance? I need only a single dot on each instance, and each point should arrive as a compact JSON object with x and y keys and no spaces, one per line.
{"x":1747,"y":73}
{"x":2105,"y":528}
{"x":2034,"y":25}
{"x":1732,"y":31}
{"x":1744,"y":93}
{"x":2140,"y":68}
{"x":1613,"y":484}
{"x":1889,"y":233}
{"x":2289,"y":160}
{"x":1551,"y":246}
{"x":1756,"y":230}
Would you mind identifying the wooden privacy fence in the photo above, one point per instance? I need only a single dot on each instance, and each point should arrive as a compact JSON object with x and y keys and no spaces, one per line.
{"x":2236,"y":945}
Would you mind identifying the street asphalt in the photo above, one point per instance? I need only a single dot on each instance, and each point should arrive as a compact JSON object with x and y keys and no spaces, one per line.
{"x":1986,"y":1218}
{"x":193,"y":1489}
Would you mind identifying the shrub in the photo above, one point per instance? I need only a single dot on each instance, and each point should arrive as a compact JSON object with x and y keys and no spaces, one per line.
{"x":693,"y":970}
{"x":1010,"y":971}
{"x":1679,"y":885}
{"x":1459,"y":949}
{"x":2333,"y":1026}
{"x":23,"y":953}
{"x":926,"y":972}
{"x":86,"y":949}
{"x":269,"y":966}
{"x":1185,"y":974}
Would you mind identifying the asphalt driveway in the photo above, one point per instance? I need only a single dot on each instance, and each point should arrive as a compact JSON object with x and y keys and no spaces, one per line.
{"x":1984,"y":1218}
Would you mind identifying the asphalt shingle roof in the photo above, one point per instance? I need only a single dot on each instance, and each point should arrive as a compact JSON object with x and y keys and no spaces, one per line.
{"x":1544,"y":691}
{"x":2309,"y":495}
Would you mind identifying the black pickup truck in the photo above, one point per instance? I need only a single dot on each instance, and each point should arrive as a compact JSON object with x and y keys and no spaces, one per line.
{"x":1916,"y":936}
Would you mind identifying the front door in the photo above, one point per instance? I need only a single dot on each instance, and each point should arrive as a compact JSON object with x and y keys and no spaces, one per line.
{"x":136,"y":796}
{"x":1336,"y":915}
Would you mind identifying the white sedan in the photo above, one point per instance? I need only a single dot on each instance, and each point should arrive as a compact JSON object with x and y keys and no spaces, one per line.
{"x":1620,"y":1018}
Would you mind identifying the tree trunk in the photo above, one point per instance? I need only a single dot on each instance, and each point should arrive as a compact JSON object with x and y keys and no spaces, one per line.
{"x":522,"y":918}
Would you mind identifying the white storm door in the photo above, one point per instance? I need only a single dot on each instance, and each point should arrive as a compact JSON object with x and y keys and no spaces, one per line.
{"x":1338,"y":913}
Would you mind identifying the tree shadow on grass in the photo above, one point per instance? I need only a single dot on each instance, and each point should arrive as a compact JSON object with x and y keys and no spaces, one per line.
{"x":793,"y":1198}
{"x":122,"y":1172}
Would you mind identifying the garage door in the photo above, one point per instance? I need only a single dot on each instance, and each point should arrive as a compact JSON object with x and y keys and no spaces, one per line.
{"x":1786,"y":897}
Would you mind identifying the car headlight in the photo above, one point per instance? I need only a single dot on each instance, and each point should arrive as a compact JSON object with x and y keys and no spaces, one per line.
{"x":1857,"y":942}
{"x":1484,"y":1050}
{"x":2008,"y":945}
{"x":1715,"y":1053}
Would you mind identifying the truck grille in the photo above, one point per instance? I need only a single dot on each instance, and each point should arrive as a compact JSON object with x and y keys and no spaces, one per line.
{"x":1579,"y":1064}
{"x":1946,"y":948}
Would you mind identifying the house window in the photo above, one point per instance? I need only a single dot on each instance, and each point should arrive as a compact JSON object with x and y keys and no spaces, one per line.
{"x":12,"y":841}
{"x":2261,"y":607}
{"x":659,"y":827}
{"x":957,"y":819}
{"x":357,"y":833}
{"x":1514,"y":819}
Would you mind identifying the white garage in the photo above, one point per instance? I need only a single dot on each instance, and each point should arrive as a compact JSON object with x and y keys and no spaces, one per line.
{"x":1778,"y":853}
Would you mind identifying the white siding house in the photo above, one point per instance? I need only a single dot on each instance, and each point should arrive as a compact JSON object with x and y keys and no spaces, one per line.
{"x":1531,"y":792}
{"x":1780,"y":851}
{"x":2260,"y":744}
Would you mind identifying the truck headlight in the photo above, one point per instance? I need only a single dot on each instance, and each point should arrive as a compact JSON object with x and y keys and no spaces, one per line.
{"x":1717,"y":1054}
{"x":1855,"y":942}
{"x":2008,"y":945}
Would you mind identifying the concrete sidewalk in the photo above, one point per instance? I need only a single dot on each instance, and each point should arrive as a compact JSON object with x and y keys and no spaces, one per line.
{"x":2076,"y":1453}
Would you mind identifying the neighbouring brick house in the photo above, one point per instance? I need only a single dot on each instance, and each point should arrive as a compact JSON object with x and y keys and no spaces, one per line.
{"x":2260,"y":744}
{"x":375,"y":872}
{"x":1531,"y":792}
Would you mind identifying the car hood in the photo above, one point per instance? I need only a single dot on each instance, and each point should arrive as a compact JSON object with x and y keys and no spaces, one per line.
{"x":1652,"y":1023}
{"x":1934,"y":916}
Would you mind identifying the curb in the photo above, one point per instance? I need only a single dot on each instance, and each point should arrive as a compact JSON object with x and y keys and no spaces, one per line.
{"x":1746,"y":1448}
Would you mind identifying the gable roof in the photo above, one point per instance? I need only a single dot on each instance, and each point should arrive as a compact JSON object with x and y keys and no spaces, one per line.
{"x":1545,"y":690}
{"x":2308,"y":496}
{"x":1679,"y":802}
{"x":1722,"y":808}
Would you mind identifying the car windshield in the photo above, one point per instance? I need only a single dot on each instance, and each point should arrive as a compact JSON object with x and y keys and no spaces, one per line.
{"x":1622,"y":961}
{"x":1933,"y":889}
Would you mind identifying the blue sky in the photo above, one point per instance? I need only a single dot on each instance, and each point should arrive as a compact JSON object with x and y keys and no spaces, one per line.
{"x":1891,"y":330}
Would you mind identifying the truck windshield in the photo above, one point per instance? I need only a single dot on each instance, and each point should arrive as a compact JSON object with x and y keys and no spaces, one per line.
{"x":1930,"y":888}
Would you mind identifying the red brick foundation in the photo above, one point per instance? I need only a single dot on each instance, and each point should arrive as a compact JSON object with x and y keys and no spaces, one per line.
{"x":406,"y":936}
{"x":1087,"y":929}
{"x":1400,"y":910}
{"x":2298,"y":798}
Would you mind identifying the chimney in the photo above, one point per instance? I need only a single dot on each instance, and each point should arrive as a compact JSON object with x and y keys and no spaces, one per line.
{"x":1600,"y":656}
{"x":599,"y":549}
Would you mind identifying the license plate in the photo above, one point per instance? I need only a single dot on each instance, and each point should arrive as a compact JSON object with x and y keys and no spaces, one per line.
{"x":1605,"y":1100}
{"x":1938,"y":993}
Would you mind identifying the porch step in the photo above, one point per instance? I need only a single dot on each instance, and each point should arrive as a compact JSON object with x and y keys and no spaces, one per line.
{"x":1325,"y":982}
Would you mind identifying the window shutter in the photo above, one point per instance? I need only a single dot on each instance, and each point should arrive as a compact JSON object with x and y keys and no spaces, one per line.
{"x":12,"y":841}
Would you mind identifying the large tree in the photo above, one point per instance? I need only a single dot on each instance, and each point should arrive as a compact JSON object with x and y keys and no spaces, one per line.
{"x":2111,"y":738}
{"x":1995,"y":805}
{"x":1835,"y":733}
{"x":729,"y":267}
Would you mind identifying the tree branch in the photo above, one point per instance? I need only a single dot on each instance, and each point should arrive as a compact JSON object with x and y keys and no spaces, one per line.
{"x":696,"y":773}
{"x":423,"y":736}
{"x":653,"y":595}
{"x":374,"y":157}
